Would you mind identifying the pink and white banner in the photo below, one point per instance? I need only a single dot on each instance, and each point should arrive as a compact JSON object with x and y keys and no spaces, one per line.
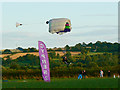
{"x":44,"y":61}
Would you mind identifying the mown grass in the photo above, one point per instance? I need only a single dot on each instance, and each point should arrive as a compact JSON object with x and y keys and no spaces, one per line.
{"x":63,"y":83}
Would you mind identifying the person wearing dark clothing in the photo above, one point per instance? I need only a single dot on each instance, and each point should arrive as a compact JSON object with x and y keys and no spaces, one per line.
{"x":65,"y":60}
{"x":84,"y":74}
{"x":109,"y":73}
{"x":81,"y":72}
{"x":67,"y":28}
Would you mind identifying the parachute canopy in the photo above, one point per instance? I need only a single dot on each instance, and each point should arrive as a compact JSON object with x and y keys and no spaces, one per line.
{"x":59,"y":25}
{"x":18,"y":24}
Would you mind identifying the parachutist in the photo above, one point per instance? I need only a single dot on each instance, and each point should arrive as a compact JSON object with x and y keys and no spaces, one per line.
{"x":18,"y":24}
{"x":59,"y":25}
{"x":66,"y":61}
{"x":67,"y":28}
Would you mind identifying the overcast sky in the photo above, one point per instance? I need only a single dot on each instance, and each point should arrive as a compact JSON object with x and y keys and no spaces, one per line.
{"x":91,"y":21}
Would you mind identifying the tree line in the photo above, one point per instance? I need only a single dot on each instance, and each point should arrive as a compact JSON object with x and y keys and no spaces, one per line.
{"x":28,"y":66}
{"x":91,"y":63}
{"x":82,"y":47}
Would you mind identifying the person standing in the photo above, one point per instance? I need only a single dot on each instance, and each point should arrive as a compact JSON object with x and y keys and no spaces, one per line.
{"x":65,"y":60}
{"x":114,"y":76}
{"x":80,"y":75}
{"x":84,"y":74}
{"x":118,"y":75}
{"x":101,"y":73}
{"x":109,"y":73}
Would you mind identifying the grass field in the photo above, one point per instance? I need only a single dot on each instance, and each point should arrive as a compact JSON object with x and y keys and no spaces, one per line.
{"x":94,"y":53}
{"x":14,"y":56}
{"x":63,"y":83}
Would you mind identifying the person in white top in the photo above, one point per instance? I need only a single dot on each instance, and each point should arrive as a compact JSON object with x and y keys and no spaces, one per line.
{"x":114,"y":76}
{"x":101,"y":73}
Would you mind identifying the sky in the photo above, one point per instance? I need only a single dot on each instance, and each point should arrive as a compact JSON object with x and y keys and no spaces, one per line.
{"x":91,"y":22}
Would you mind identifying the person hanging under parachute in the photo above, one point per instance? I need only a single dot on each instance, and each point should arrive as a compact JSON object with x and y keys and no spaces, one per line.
{"x":59,"y":25}
{"x":67,"y":28}
{"x":65,"y":60}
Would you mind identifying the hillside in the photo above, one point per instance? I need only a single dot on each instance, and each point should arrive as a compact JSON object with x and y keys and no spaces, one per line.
{"x":15,"y":56}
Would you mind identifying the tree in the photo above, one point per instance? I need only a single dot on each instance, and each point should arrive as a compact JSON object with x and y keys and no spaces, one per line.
{"x":92,"y":65}
{"x":94,"y":58}
{"x":88,"y":59}
{"x":59,"y":49}
{"x":67,"y":48}
{"x":7,"y":61}
{"x":14,"y":66}
{"x":23,"y":67}
{"x":33,"y":49}
{"x":68,"y":54}
{"x":6,"y":51}
{"x":52,"y":54}
{"x":98,"y":43}
{"x":25,"y":50}
{"x":78,"y":46}
{"x":20,"y":48}
{"x":90,"y":44}
{"x":50,"y":49}
{"x":84,"y":44}
{"x":69,"y":57}
{"x":58,"y":55}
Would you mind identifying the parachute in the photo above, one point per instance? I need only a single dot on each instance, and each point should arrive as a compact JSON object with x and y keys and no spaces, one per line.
{"x":18,"y":24}
{"x":59,"y":25}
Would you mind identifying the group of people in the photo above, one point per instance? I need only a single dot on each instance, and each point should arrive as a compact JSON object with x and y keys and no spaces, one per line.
{"x":82,"y":74}
{"x":109,"y":74}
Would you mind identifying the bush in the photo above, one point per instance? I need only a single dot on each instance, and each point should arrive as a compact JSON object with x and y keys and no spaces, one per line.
{"x":14,"y":66}
{"x":6,"y":51}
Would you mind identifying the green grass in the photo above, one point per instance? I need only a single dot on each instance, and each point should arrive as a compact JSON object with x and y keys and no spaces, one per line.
{"x":63,"y":83}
